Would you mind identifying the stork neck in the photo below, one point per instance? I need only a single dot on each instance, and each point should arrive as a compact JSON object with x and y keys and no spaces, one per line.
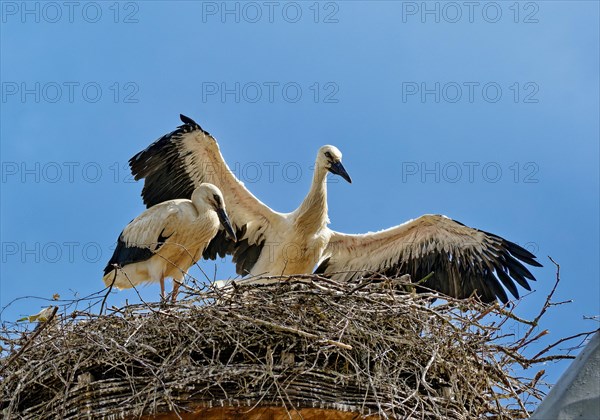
{"x":312,"y":213}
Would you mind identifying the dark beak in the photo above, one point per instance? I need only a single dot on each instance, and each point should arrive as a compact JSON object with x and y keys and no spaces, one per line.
{"x":338,"y":169}
{"x":226,"y":224}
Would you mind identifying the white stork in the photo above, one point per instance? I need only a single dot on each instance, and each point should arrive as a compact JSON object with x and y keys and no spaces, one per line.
{"x":464,"y":260}
{"x":167,"y":239}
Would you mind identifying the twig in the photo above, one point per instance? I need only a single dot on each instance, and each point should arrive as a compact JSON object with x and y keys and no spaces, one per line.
{"x":294,"y":331}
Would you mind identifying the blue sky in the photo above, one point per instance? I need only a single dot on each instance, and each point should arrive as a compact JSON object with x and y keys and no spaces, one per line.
{"x":488,"y":115}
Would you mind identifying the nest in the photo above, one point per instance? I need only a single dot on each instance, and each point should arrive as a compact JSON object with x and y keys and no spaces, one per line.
{"x":368,"y":348}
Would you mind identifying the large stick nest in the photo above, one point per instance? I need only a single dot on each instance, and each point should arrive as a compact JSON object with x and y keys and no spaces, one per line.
{"x":365,"y":347}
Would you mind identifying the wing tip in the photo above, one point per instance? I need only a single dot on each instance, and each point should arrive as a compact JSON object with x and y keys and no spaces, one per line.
{"x":190,"y":125}
{"x":165,"y":141}
{"x":524,"y":255}
{"x":187,"y":120}
{"x":108,"y":269}
{"x":322,"y":267}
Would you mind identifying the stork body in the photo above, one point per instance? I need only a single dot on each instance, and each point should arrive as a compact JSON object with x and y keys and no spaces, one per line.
{"x":297,"y":240}
{"x":463,"y":260}
{"x":166,"y":240}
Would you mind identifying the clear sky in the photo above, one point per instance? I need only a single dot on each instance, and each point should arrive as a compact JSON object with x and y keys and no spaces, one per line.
{"x":486,"y":112}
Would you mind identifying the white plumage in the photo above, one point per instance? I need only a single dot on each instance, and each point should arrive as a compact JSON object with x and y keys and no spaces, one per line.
{"x":167,"y":239}
{"x":463,"y":260}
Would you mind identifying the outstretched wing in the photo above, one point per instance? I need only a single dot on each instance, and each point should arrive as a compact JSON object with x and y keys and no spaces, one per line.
{"x":464,"y":260}
{"x":175,"y":164}
{"x":145,"y":235}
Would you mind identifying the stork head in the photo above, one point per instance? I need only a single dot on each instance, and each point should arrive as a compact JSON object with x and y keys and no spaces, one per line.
{"x":330,"y":158}
{"x":209,"y":195}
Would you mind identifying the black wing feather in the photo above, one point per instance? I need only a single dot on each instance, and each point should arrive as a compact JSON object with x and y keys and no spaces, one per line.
{"x":244,"y":253}
{"x":127,"y":254}
{"x":245,"y":256}
{"x":163,"y":165}
{"x":219,"y":246}
{"x":461,"y":273}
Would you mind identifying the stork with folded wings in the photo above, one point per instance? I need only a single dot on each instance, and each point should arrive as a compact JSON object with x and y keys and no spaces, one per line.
{"x":167,"y":239}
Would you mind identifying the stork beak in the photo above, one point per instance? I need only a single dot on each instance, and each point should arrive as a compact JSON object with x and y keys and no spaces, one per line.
{"x":226,"y":224}
{"x":338,"y":169}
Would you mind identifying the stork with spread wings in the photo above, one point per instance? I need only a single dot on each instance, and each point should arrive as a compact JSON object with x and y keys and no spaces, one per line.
{"x":464,"y":261}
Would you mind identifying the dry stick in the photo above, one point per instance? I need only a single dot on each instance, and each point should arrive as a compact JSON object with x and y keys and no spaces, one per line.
{"x":562,"y":340}
{"x":112,"y":283}
{"x":537,"y":337}
{"x":547,"y":303}
{"x":136,"y":291}
{"x":294,"y":331}
{"x":39,"y":329}
{"x":361,"y":286}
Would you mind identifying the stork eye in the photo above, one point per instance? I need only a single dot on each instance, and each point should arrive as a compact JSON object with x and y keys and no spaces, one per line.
{"x":217,"y":199}
{"x":328,"y":155}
